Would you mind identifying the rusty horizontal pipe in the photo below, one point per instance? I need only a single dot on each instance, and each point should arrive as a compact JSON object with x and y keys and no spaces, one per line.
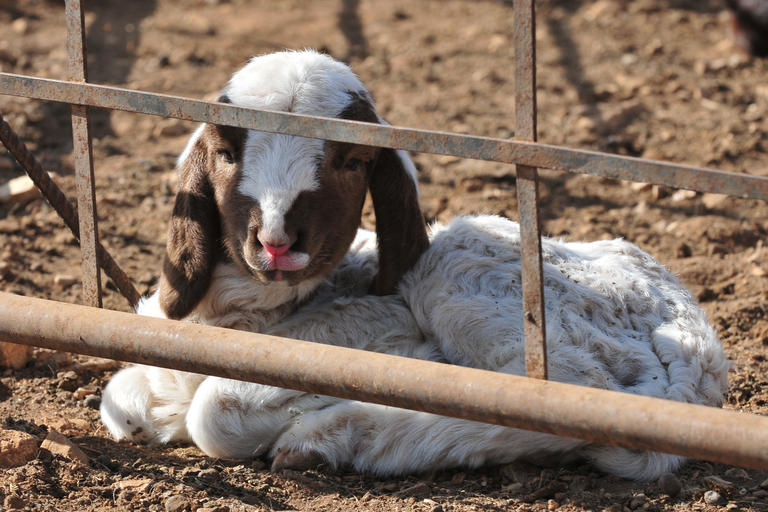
{"x":468,"y":146}
{"x":600,"y":416}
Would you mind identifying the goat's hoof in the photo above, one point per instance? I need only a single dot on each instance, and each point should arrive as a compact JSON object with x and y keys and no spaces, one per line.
{"x":297,"y":461}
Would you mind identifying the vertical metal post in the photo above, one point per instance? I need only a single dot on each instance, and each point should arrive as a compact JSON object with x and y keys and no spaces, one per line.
{"x":528,"y":191}
{"x":83,"y":156}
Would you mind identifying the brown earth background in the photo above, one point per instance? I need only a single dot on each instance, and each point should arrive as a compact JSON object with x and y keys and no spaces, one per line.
{"x":653,"y":78}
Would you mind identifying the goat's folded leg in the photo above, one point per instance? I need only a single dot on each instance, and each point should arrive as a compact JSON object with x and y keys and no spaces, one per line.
{"x":146,"y":404}
{"x":237,"y":420}
{"x":390,"y":441}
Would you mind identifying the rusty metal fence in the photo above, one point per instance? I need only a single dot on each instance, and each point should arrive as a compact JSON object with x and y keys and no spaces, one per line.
{"x":529,"y":402}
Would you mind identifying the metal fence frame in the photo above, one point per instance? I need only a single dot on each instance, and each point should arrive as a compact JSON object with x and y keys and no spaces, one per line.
{"x":526,"y":402}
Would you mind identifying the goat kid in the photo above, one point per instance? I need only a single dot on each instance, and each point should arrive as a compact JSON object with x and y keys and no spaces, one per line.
{"x":285,"y":210}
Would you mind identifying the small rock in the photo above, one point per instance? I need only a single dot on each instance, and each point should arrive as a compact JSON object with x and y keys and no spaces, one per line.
{"x":386,"y":486}
{"x":712,"y":201}
{"x":683,"y":250}
{"x":670,"y":485}
{"x":513,"y":488}
{"x":68,"y":381}
{"x":585,"y":124}
{"x":92,"y":402}
{"x":17,"y":448}
{"x":447,"y":159}
{"x":641,"y":208}
{"x":67,"y":425}
{"x":638,"y":501}
{"x":133,"y":484}
{"x":497,"y":42}
{"x":208,"y":476}
{"x":13,"y":355}
{"x":14,"y":502}
{"x":58,"y":444}
{"x":163,"y":61}
{"x":552,"y":505}
{"x":737,"y":474}
{"x":85,"y":391}
{"x":64,"y":280}
{"x":579,"y":484}
{"x":712,"y":497}
{"x":639,"y":186}
{"x":20,"y":26}
{"x":420,"y":489}
{"x":715,"y":482}
{"x":177,"y":504}
{"x":683,"y":195}
{"x":628,"y":59}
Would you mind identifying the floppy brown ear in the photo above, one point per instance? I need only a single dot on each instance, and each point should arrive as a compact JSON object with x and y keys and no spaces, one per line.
{"x":193,"y":237}
{"x":402,"y":236}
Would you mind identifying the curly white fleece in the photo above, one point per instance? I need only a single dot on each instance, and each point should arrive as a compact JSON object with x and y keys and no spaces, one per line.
{"x":616,"y":319}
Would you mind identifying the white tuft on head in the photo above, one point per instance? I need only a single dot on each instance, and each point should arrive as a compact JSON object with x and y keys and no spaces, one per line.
{"x":304,"y":82}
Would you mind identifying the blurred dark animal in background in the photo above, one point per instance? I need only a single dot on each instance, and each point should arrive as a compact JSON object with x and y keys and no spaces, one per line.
{"x":750,"y":25}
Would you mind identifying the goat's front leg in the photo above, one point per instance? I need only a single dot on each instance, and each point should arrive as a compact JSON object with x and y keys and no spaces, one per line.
{"x":149,"y":404}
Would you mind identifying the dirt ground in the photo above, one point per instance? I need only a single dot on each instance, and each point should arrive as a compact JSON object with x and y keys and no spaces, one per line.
{"x":652,"y":78}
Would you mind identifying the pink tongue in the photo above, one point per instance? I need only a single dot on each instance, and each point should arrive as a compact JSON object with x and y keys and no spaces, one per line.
{"x":277,"y":250}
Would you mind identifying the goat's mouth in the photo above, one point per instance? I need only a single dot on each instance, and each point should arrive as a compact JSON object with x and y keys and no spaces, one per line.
{"x":278,"y":267}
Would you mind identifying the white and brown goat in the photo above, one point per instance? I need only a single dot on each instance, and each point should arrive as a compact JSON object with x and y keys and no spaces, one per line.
{"x":260,"y":240}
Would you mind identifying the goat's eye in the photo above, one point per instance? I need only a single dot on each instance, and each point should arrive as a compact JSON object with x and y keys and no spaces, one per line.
{"x":352,"y":164}
{"x":226,"y":156}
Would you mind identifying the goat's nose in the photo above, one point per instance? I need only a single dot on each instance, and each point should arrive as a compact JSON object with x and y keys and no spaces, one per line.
{"x":275,"y":247}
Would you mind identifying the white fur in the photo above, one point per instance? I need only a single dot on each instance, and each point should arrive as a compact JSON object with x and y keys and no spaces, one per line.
{"x":616,"y":320}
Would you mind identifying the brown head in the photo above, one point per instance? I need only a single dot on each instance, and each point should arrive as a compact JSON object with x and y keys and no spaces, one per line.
{"x":285,"y":208}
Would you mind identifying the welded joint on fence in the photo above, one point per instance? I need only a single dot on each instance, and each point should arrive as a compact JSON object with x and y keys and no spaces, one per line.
{"x":534,"y":321}
{"x":83,"y":156}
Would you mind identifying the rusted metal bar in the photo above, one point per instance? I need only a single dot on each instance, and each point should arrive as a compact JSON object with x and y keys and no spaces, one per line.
{"x":83,"y":156}
{"x":480,"y":148}
{"x":534,"y":324}
{"x":63,"y":207}
{"x":600,"y":416}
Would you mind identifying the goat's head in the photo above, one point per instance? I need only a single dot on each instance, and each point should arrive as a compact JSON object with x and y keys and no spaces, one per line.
{"x":285,"y":208}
